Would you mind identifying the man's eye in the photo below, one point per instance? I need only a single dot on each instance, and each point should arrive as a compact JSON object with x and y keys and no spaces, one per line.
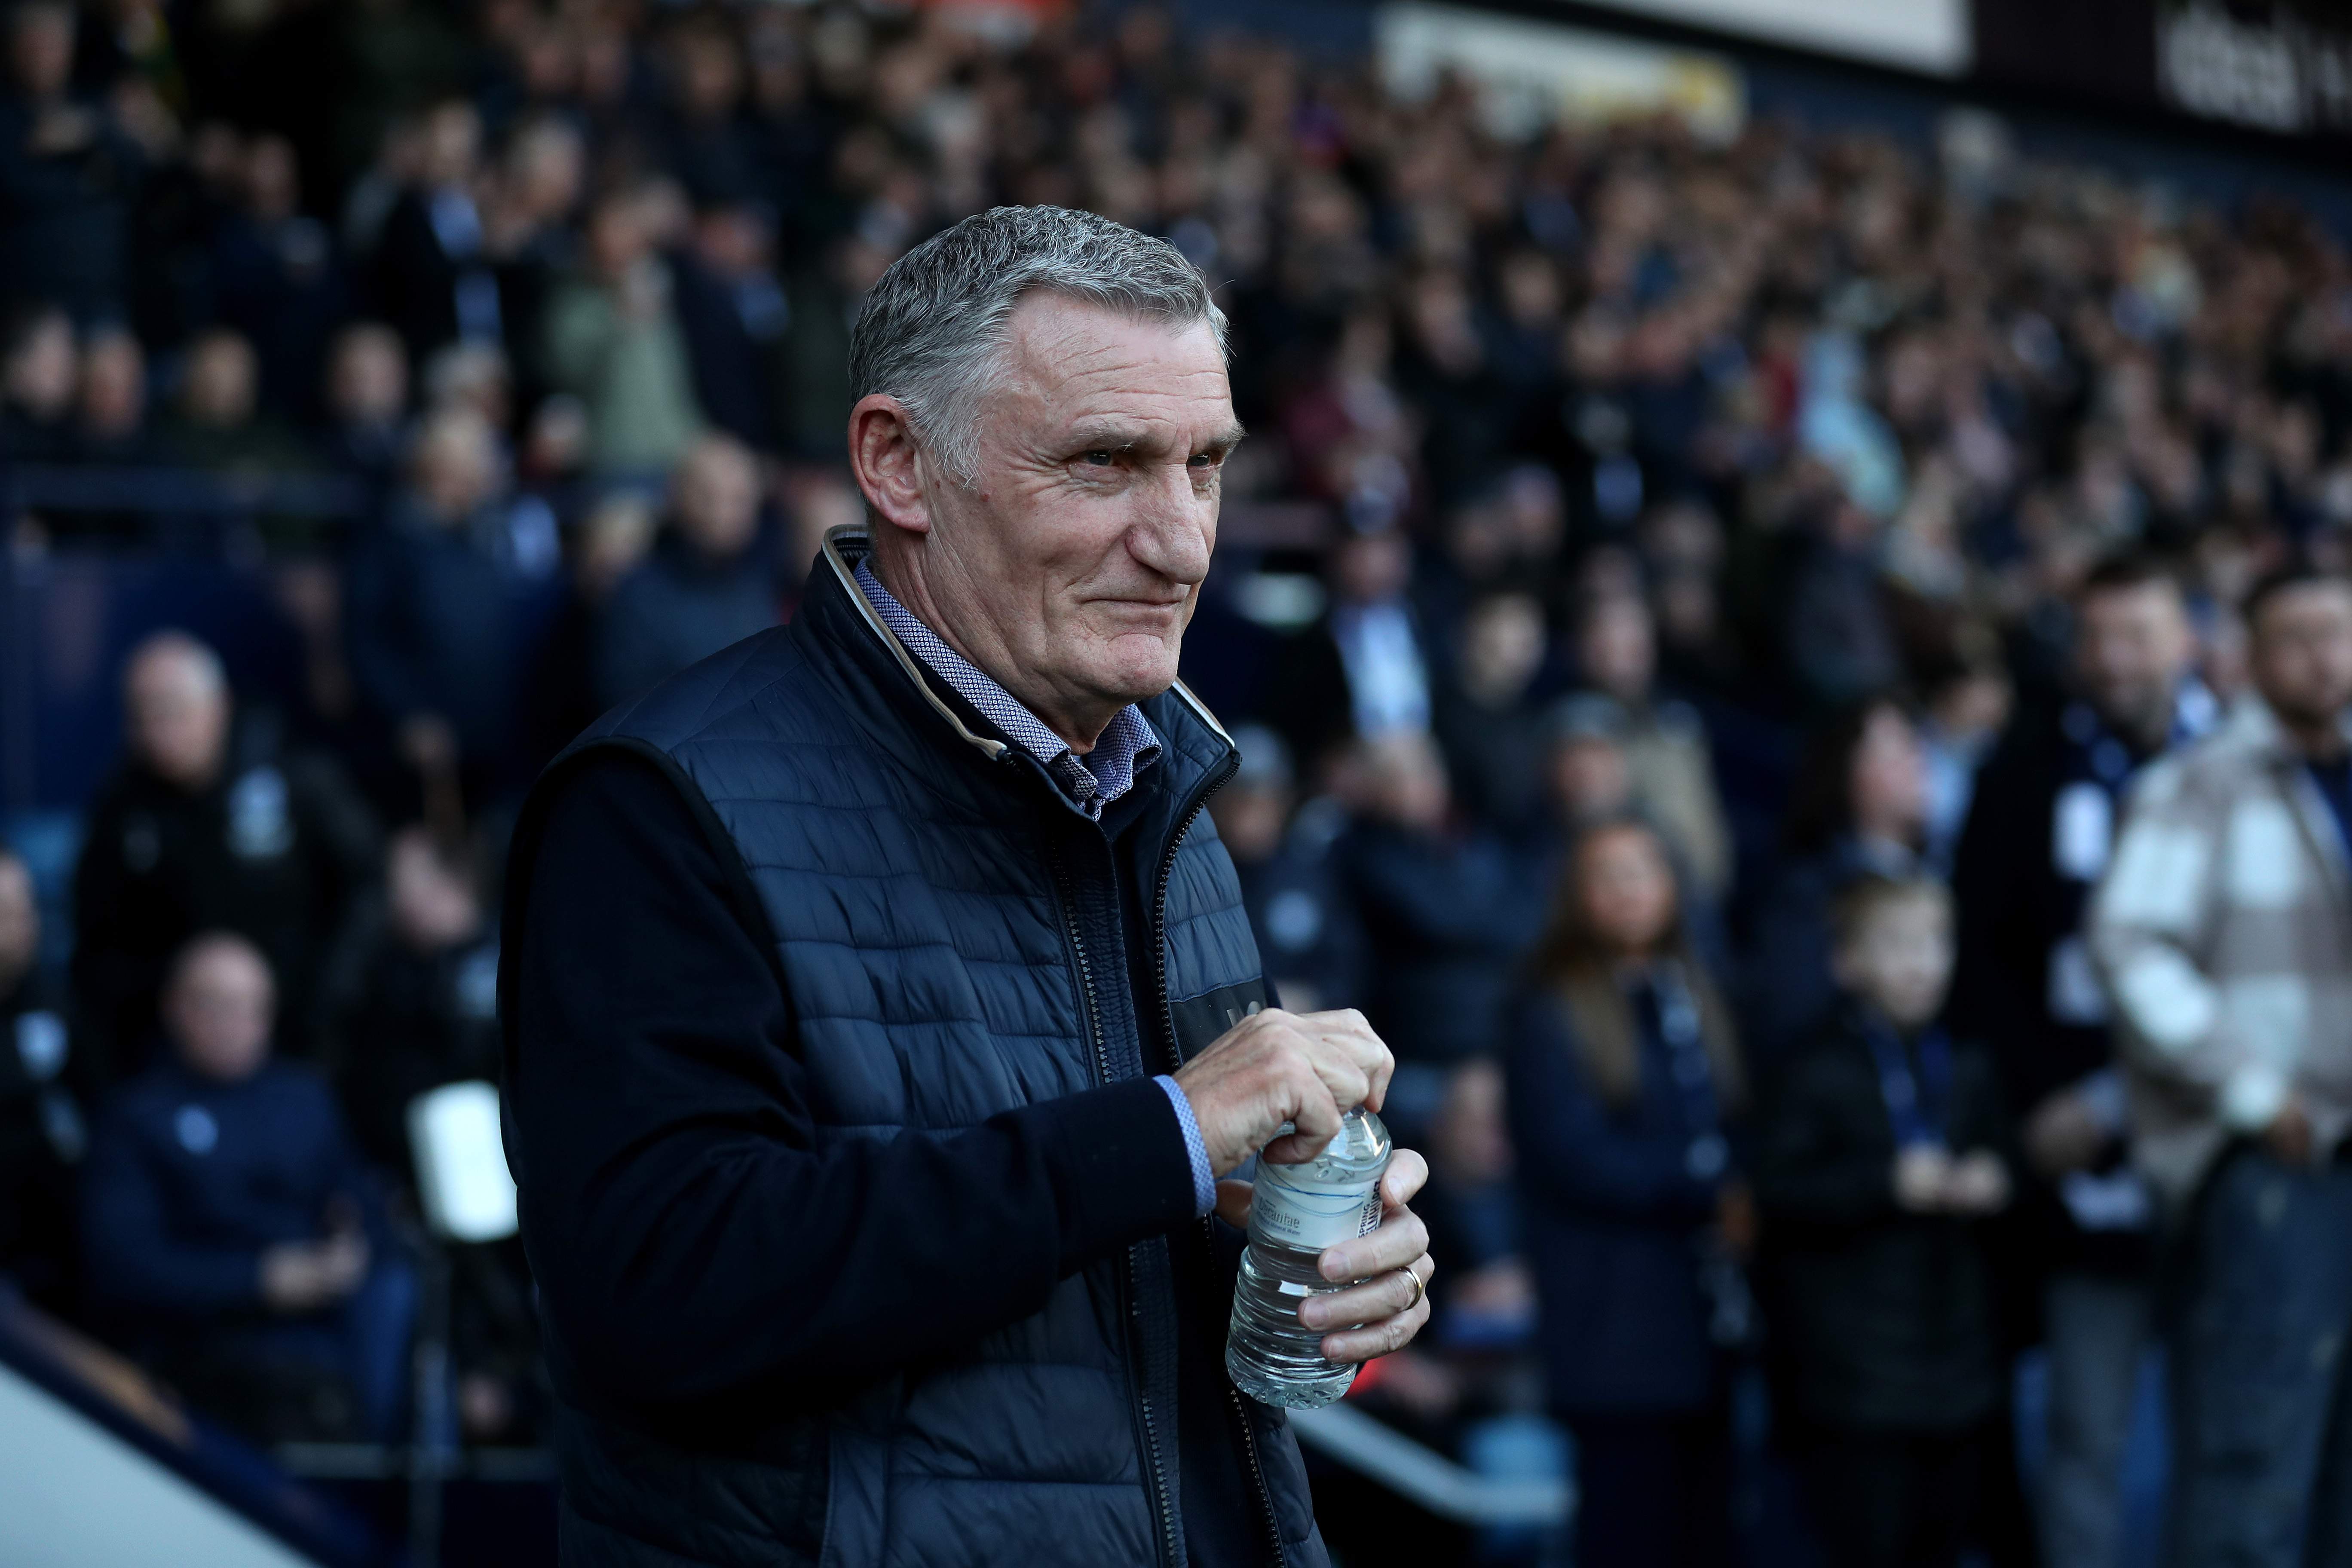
{"x":1100,"y":459}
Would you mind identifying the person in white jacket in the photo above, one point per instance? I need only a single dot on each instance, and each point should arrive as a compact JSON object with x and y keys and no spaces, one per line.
{"x":2224,"y":930}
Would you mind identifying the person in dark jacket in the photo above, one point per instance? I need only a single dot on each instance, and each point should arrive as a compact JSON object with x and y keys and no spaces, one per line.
{"x":232,"y":1235}
{"x":1625,"y":1086}
{"x":42,"y":1132}
{"x":1305,"y":925}
{"x":210,"y":824}
{"x":710,"y":580}
{"x":1858,"y":809}
{"x":1365,"y":669}
{"x":1488,"y":716}
{"x":425,"y":1013}
{"x":36,"y":384}
{"x":431,"y":275}
{"x":69,"y":175}
{"x":734,"y":315}
{"x":1448,"y":911}
{"x":880,"y":1009}
{"x":1878,"y":1155}
{"x":428,"y":610}
{"x":2038,"y":837}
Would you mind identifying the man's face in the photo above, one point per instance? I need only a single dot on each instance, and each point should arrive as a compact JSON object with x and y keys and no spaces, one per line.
{"x":716,"y":498}
{"x":178,"y":718}
{"x":1069,"y":568}
{"x":2303,"y":652}
{"x":1618,"y":650}
{"x":220,"y":1009}
{"x":2131,"y":652}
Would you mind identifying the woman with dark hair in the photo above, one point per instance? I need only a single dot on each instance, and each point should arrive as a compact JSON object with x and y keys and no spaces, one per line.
{"x":1858,"y":807}
{"x":1625,"y":1082}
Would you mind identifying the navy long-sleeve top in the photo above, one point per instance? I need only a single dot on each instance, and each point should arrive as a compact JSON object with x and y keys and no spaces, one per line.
{"x":189,"y":1180}
{"x":1613,"y":1214}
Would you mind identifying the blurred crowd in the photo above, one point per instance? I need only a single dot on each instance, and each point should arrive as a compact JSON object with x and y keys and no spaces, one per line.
{"x":1798,"y":680}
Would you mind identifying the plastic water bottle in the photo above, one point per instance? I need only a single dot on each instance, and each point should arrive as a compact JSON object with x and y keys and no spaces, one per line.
{"x":1295,"y":1212}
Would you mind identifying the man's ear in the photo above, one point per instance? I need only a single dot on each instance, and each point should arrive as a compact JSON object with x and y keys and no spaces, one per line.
{"x":888,"y":462}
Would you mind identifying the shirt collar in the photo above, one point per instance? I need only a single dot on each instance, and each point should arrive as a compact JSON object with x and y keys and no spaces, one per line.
{"x":1127,"y":745}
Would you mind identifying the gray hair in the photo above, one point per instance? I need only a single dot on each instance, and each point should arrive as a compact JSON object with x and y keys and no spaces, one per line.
{"x":933,"y":327}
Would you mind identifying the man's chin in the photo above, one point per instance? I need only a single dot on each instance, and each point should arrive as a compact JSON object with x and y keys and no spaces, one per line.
{"x":1135,"y":676}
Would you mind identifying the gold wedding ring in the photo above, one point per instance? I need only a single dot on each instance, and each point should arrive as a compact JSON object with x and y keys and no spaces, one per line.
{"x":1420,"y":1289}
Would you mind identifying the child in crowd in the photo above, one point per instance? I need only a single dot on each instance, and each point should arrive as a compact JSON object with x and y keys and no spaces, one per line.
{"x":1624,"y":1086}
{"x":1878,"y":1155}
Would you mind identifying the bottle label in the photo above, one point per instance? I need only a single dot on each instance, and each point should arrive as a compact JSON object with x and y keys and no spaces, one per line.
{"x":1309,"y":1220}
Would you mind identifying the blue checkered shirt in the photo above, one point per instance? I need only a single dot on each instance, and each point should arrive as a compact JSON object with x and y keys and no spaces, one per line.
{"x":1126,"y":746}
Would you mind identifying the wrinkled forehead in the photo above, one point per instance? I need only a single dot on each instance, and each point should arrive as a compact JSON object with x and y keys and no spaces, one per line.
{"x":1065,"y":362}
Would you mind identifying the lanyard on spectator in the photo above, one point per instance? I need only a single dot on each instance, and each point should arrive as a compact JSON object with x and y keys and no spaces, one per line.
{"x":1916,"y":1102}
{"x":1679,"y":1028}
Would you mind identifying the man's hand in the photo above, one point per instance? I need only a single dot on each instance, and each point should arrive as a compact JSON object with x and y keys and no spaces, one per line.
{"x":1923,"y":1173}
{"x":1978,"y":1184}
{"x":2288,"y":1137}
{"x":1306,"y":1068}
{"x":1379,"y":1313}
{"x":2064,"y":1135}
{"x":304,"y":1276}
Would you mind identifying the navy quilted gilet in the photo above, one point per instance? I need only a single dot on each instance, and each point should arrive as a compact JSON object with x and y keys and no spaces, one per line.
{"x":927,"y":891}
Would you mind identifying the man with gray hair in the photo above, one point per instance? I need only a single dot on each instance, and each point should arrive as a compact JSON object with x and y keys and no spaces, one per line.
{"x":880,"y":1009}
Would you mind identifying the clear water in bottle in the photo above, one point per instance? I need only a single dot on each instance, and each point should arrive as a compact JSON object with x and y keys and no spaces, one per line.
{"x":1295,"y":1212}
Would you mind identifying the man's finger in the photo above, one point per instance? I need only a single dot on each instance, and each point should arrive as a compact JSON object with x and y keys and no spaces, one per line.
{"x":1406,"y":1175}
{"x":1376,"y":1339}
{"x":1401,"y":1238}
{"x":1380,"y":1297}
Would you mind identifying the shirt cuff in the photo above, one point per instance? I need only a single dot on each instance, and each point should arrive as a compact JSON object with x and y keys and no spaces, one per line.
{"x":2253,"y":1097}
{"x":1204,"y":1180}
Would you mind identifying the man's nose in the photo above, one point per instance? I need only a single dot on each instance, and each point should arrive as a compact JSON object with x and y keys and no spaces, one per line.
{"x":1171,"y":535}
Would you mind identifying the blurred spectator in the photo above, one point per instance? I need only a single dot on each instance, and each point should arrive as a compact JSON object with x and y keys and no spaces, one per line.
{"x":474,"y":375}
{"x":1666,"y":756}
{"x":428,"y":613}
{"x":1587,"y":777}
{"x":42,"y":1133}
{"x":2225,"y":937}
{"x":1363,"y":671}
{"x":1447,"y":909}
{"x":528,"y":226}
{"x":607,"y":545}
{"x":1305,"y":926}
{"x":1880,"y":1149}
{"x":2038,"y":839}
{"x":1840,"y":644}
{"x":1859,"y":808}
{"x":430,"y":275}
{"x":215,"y":423}
{"x":234,"y":1238}
{"x":1486,"y":718}
{"x":69,"y":175}
{"x":210,"y":824}
{"x":734,"y":315}
{"x":278,"y":279}
{"x":110,"y":423}
{"x":1472,"y":1207}
{"x":367,"y":406}
{"x":710,"y":580}
{"x":612,"y":338}
{"x":1624,"y":1086}
{"x":37,"y":379}
{"x":425,"y":1013}
{"x":1967,"y":710}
